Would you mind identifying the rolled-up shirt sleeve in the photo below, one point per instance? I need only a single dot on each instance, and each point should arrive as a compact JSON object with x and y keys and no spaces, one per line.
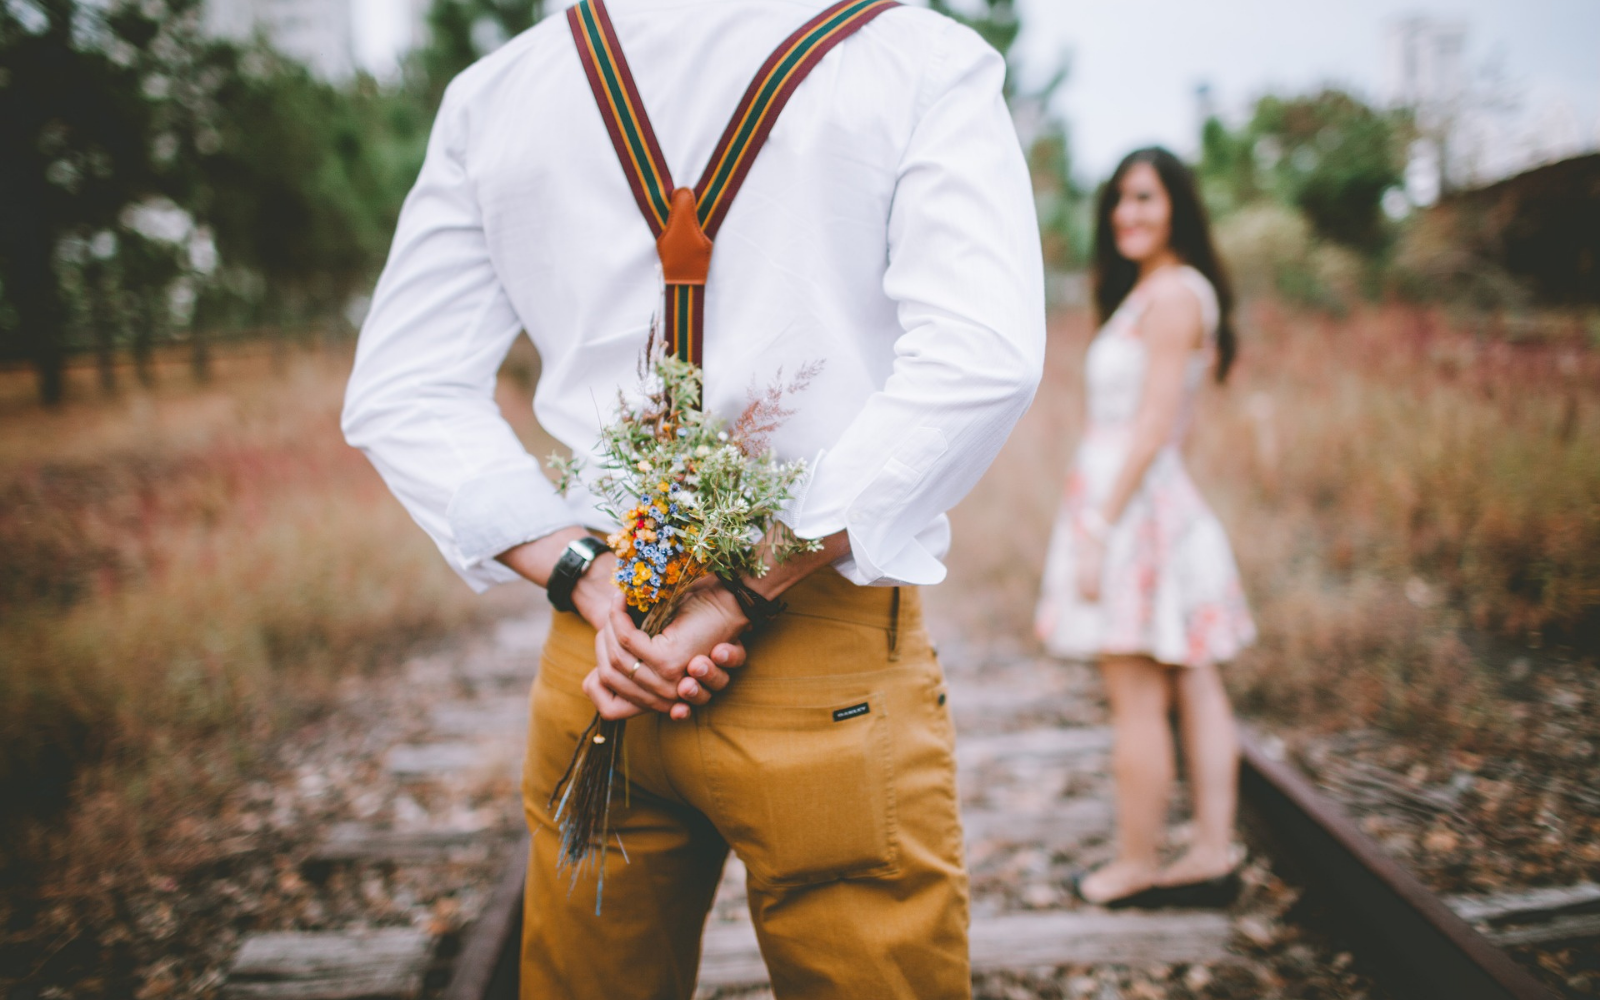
{"x":966,"y":274}
{"x":420,"y":402}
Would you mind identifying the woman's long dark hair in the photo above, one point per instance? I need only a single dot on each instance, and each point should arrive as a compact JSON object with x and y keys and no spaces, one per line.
{"x":1115,"y":275}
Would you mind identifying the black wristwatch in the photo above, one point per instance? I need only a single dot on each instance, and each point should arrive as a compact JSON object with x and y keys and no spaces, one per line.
{"x":575,"y":561}
{"x":758,"y":610}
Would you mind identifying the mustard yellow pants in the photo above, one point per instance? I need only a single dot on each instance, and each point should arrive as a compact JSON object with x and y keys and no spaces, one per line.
{"x":827,"y":765}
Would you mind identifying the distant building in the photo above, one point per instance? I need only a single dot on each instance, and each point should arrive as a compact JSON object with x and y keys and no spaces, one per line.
{"x":1474,"y":128}
{"x":319,"y":33}
{"x":1425,"y":66}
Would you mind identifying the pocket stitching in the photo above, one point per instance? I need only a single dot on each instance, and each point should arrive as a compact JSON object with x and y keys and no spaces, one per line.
{"x":883,"y":748}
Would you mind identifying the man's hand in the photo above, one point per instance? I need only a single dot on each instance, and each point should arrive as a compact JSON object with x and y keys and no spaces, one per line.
{"x":685,"y":665}
{"x":688,"y":662}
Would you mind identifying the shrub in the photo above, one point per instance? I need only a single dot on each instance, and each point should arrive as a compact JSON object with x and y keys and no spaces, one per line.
{"x":1270,"y":250}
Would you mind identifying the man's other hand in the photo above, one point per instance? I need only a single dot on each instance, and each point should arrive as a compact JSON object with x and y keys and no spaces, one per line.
{"x":683,"y":666}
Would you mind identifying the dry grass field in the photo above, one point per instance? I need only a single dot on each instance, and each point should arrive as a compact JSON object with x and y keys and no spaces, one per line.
{"x":1413,"y":502}
{"x":189,"y":573}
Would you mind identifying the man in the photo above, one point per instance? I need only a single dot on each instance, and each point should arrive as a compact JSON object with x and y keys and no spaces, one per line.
{"x":885,"y":239}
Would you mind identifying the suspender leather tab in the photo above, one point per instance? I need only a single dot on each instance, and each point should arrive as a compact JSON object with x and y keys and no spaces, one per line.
{"x":684,"y":248}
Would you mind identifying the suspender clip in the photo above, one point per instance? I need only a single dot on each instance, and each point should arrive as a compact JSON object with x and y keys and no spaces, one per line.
{"x":684,"y":248}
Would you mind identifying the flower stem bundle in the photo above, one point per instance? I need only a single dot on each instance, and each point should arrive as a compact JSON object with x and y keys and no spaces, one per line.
{"x":695,"y":497}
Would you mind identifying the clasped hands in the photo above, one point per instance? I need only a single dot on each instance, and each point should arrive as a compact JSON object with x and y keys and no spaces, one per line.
{"x":682,"y":667}
{"x":689,"y":661}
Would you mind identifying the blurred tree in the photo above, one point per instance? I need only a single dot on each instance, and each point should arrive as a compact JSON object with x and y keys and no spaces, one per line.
{"x":1328,"y":154}
{"x":181,"y":71}
{"x":101,"y":292}
{"x":1065,"y":223}
{"x":1334,"y":157}
{"x":148,"y":267}
{"x":289,"y":190}
{"x":127,"y":127}
{"x":74,"y":125}
{"x":1227,"y":168}
{"x":460,"y":32}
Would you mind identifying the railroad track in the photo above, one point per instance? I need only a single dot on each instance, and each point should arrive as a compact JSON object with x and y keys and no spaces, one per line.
{"x":1035,"y":801}
{"x":1427,"y":947}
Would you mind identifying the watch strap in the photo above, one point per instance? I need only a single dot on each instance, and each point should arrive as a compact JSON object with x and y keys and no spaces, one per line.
{"x":758,"y":610}
{"x":575,"y":560}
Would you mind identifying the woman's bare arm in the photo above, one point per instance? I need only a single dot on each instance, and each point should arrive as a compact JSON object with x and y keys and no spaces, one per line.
{"x":1171,"y":330}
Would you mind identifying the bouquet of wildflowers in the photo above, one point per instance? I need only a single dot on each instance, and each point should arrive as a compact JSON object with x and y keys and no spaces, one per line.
{"x":695,"y":497}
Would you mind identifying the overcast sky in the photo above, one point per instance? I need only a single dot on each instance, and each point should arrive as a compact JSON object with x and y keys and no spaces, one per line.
{"x":1135,"y":63}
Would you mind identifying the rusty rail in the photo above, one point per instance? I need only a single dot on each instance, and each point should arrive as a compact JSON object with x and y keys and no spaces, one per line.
{"x":1430,"y":950}
{"x":487,"y":966}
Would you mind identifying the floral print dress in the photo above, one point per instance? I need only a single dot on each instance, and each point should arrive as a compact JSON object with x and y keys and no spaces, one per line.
{"x":1171,"y":587}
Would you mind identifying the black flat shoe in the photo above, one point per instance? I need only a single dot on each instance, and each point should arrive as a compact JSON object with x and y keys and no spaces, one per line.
{"x":1143,"y":899}
{"x":1210,"y":893}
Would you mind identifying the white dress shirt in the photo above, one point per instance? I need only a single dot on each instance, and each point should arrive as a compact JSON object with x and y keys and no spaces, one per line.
{"x":886,"y":231}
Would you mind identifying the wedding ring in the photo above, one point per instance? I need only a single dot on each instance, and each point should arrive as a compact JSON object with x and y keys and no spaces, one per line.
{"x":635,"y":668}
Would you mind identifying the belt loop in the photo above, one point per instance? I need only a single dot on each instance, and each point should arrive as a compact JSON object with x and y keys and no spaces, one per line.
{"x":894,"y":625}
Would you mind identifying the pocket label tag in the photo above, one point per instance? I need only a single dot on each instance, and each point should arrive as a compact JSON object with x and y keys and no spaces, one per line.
{"x":841,"y":714}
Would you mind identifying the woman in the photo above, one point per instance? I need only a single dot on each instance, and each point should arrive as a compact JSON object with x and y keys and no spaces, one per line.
{"x":1139,"y":574}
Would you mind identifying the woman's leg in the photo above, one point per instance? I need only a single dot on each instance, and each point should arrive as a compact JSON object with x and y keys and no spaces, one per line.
{"x":1141,"y":761}
{"x":1211,"y":749}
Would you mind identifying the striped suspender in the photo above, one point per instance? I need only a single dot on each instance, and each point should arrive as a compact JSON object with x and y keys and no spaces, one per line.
{"x":685,"y":221}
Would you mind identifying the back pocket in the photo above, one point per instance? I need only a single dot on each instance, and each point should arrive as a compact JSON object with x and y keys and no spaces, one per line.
{"x":804,"y":793}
